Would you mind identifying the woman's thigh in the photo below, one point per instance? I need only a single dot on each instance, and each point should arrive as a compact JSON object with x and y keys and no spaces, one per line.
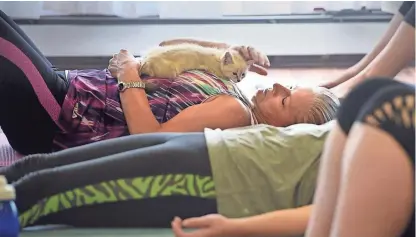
{"x":353,"y":104}
{"x":31,"y":93}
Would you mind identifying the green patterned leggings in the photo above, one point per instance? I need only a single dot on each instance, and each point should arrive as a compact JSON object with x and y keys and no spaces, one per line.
{"x":134,"y":181}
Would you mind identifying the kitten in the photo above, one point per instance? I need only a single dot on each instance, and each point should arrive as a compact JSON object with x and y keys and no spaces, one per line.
{"x":170,"y":61}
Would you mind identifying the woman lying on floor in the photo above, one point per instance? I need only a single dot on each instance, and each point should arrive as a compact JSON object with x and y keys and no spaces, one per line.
{"x":86,"y":106}
{"x":146,"y":180}
{"x":260,"y":179}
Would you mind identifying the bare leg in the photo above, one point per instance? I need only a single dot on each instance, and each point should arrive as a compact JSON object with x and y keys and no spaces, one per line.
{"x":330,"y":170}
{"x":328,"y":182}
{"x":376,"y":197}
{"x":376,"y":194}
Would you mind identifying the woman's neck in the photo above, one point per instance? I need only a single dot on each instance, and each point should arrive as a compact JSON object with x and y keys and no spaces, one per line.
{"x":258,"y":115}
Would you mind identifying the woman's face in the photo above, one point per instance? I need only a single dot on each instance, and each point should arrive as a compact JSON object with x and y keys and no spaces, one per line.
{"x":280,"y":106}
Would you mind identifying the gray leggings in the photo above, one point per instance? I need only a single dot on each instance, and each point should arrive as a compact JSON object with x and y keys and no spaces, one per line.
{"x":133,"y":181}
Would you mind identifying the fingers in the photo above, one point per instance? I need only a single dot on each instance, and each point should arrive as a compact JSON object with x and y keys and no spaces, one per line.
{"x":177,"y":227}
{"x":244,"y":52}
{"x":328,"y":85}
{"x":258,"y":69}
{"x":196,"y":222}
{"x":258,"y":57}
{"x":250,"y":53}
{"x":178,"y":231}
{"x":123,"y":51}
{"x":254,"y":55}
{"x":266,"y":59}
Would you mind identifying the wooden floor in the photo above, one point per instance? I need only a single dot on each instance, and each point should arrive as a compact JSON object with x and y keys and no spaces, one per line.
{"x":307,"y":76}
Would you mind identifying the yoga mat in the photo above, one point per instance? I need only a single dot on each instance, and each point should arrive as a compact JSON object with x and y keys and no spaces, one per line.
{"x":96,"y":232}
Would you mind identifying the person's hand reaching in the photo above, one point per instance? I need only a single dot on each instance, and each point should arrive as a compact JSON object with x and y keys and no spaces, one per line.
{"x":345,"y":76}
{"x":260,"y":59}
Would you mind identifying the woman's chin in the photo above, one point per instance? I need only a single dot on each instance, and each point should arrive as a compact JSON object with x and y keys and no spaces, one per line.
{"x":253,"y":99}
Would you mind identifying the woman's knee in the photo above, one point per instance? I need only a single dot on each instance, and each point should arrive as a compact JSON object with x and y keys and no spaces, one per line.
{"x":3,"y":15}
{"x":353,"y":103}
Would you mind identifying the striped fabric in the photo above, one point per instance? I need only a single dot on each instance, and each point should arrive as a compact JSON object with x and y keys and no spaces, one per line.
{"x":7,"y":155}
{"x":92,"y":111}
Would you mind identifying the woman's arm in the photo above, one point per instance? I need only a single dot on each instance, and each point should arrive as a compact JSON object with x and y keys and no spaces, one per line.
{"x":397,"y":54}
{"x":289,"y":222}
{"x":368,"y":58}
{"x":221,"y":112}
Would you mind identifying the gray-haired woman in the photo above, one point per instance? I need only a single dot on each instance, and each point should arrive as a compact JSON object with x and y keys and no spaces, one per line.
{"x":84,"y":106}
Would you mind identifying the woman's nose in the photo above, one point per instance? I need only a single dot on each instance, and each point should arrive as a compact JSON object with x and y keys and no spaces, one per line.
{"x":281,"y":89}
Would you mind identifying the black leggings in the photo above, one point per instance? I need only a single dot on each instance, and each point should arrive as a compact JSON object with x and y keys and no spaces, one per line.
{"x":387,"y":105}
{"x":134,"y":181}
{"x":31,"y":91}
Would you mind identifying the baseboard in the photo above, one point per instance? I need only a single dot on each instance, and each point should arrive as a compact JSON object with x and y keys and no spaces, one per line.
{"x":306,"y":61}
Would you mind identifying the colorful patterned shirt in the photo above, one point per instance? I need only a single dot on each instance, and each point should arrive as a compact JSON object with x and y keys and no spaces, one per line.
{"x":92,"y":109}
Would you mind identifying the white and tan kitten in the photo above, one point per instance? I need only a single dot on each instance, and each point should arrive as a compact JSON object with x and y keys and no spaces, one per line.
{"x":170,"y":61}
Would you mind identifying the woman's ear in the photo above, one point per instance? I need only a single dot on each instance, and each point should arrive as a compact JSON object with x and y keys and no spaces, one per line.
{"x":227,"y":58}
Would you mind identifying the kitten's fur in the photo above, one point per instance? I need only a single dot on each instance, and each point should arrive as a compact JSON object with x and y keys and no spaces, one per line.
{"x":170,"y":61}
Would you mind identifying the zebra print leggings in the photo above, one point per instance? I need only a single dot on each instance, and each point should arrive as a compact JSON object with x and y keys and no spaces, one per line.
{"x":135,"y":181}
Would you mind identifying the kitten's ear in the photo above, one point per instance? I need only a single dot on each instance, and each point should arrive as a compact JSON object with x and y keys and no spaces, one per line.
{"x":227,"y":58}
{"x":250,"y":62}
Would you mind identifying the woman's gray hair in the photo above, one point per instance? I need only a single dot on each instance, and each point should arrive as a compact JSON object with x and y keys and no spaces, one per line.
{"x":324,"y":107}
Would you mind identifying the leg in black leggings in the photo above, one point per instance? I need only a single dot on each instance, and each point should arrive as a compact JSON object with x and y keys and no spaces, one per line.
{"x":388,"y":106}
{"x":29,"y":88}
{"x":23,"y":35}
{"x":169,"y":175}
{"x":36,"y":162}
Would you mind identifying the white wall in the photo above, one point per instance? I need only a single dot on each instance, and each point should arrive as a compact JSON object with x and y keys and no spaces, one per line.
{"x":275,"y":39}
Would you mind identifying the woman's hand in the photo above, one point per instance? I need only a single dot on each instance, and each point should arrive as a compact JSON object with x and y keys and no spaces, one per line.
{"x":250,"y":53}
{"x":213,"y":225}
{"x":345,"y":76}
{"x":123,"y":64}
{"x":260,"y":59}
